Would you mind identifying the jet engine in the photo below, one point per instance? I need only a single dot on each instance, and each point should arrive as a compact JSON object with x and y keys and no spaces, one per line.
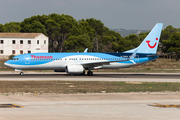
{"x":74,"y":69}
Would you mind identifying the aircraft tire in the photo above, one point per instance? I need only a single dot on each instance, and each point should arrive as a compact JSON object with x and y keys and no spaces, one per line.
{"x":21,"y":73}
{"x":90,"y":73}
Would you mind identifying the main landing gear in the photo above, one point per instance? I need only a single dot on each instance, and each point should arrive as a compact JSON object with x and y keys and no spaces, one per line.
{"x":90,"y":73}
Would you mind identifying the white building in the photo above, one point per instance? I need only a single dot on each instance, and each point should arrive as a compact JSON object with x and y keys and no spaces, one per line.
{"x":22,"y":43}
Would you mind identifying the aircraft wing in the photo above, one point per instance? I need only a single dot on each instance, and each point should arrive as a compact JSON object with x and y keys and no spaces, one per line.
{"x":101,"y":63}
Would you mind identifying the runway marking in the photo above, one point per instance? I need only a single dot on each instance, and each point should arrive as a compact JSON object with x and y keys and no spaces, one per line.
{"x":10,"y":106}
{"x":166,"y":106}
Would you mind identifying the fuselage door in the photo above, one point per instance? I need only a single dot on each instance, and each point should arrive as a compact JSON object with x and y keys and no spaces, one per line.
{"x":27,"y":59}
{"x":137,"y":57}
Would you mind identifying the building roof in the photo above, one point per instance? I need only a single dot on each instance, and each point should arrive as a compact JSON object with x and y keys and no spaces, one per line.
{"x":19,"y":35}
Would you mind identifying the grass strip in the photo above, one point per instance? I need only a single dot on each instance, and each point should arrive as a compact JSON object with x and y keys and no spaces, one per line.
{"x":67,"y":87}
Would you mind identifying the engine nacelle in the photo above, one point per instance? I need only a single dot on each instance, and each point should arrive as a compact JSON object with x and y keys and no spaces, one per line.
{"x":74,"y":69}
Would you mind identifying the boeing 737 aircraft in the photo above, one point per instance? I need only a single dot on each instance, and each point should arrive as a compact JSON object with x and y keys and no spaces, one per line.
{"x":77,"y":63}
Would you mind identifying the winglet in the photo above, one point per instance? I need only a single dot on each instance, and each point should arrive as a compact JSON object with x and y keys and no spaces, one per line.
{"x":85,"y":51}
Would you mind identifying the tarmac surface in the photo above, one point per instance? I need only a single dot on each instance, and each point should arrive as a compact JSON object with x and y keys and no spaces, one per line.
{"x":119,"y":106}
{"x":100,"y":106}
{"x":98,"y":76}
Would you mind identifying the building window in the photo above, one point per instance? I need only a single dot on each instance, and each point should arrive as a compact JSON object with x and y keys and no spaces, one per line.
{"x":1,"y":51}
{"x":13,"y":52}
{"x":21,"y":41}
{"x":29,"y":41}
{"x":21,"y":51}
{"x":29,"y":51}
{"x":1,"y":41}
{"x":13,"y":41}
{"x":44,"y":41}
{"x":37,"y":41}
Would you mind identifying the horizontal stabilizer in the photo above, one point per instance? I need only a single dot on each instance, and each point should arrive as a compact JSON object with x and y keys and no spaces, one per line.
{"x":160,"y":54}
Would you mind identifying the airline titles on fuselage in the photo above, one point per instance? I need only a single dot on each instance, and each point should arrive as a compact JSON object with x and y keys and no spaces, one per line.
{"x":41,"y":57}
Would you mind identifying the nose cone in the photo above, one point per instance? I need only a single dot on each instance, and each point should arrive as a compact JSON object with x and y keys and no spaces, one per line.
{"x":7,"y":64}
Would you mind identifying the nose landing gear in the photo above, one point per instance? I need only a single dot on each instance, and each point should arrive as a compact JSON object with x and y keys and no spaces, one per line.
{"x":21,"y":73}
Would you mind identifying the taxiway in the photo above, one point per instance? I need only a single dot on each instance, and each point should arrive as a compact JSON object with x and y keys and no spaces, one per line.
{"x":100,"y":106}
{"x":129,"y":106}
{"x":98,"y":76}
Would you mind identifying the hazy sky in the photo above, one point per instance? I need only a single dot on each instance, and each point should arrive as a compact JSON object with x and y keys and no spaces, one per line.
{"x":128,"y":14}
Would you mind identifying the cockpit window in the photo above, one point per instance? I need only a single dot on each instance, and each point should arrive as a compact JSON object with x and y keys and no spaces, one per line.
{"x":15,"y":59}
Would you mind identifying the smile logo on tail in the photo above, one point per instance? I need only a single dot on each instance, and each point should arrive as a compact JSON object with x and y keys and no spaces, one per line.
{"x":148,"y":41}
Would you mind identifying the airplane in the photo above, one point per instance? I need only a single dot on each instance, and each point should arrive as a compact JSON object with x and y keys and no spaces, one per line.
{"x":77,"y":63}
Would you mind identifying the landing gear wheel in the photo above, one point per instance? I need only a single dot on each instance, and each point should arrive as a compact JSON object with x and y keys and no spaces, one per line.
{"x":21,"y":73}
{"x":90,"y":73}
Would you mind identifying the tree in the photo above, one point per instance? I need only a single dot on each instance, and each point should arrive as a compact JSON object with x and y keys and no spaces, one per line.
{"x":131,"y":41}
{"x":166,"y":38}
{"x":53,"y":32}
{"x":99,"y":28}
{"x":167,"y":32}
{"x":12,"y":27}
{"x":62,"y":29}
{"x":67,"y":24}
{"x":142,"y":36}
{"x":1,"y":28}
{"x":34,"y":24}
{"x":122,"y":45}
{"x":84,"y":28}
{"x":110,"y":41}
{"x":173,"y":44}
{"x":78,"y":43}
{"x":36,"y":27}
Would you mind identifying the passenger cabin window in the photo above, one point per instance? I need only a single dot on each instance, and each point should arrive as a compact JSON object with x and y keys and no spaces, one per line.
{"x":29,"y":51}
{"x":1,"y":41}
{"x":13,"y":41}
